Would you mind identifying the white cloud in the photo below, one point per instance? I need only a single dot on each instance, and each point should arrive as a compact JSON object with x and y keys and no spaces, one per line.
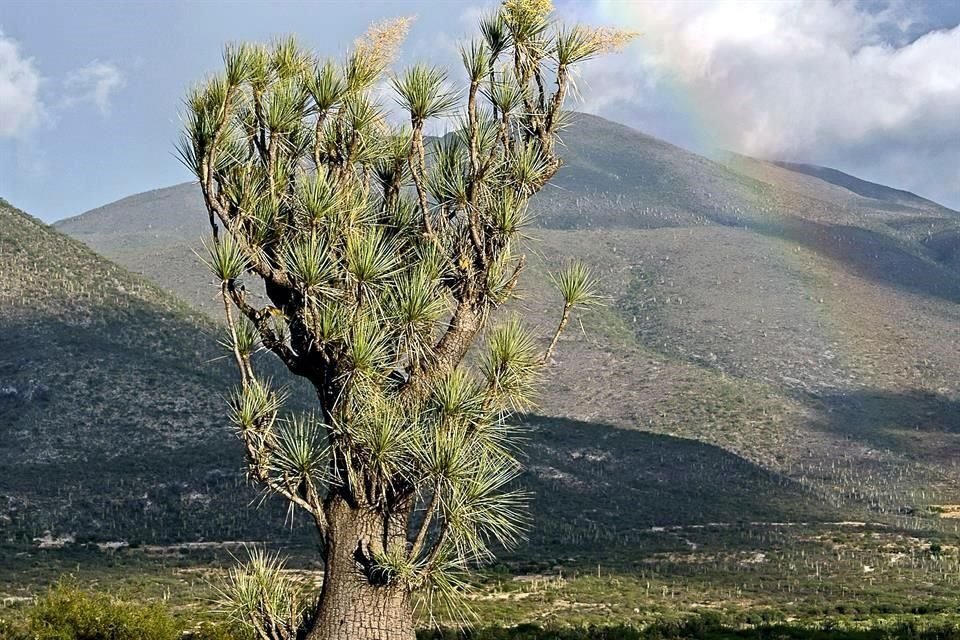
{"x":20,"y":105}
{"x":94,"y":83}
{"x":815,"y":80}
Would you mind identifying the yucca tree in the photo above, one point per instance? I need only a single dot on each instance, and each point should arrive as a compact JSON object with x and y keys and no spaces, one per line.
{"x":384,"y":257}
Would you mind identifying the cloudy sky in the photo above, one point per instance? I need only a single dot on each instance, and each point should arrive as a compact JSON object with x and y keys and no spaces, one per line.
{"x":89,"y":91}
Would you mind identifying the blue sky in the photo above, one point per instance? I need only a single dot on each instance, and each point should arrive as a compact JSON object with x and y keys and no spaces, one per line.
{"x":90,"y":91}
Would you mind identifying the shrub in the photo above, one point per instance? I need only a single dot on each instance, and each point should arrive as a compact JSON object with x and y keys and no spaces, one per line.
{"x":67,"y":612}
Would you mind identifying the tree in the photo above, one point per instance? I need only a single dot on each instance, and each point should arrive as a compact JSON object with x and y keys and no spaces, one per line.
{"x":384,"y":256}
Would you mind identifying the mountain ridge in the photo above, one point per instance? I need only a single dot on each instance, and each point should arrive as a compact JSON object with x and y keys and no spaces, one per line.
{"x":859,"y":186}
{"x":96,"y":219}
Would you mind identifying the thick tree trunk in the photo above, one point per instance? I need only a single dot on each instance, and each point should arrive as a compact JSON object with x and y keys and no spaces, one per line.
{"x":352,"y":606}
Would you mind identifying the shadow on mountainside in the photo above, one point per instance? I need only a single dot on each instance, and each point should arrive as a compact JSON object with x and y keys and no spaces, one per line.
{"x":592,"y":485}
{"x":915,"y":423}
{"x":114,"y":426}
{"x":596,"y":484}
{"x":945,"y":247}
{"x":868,"y":254}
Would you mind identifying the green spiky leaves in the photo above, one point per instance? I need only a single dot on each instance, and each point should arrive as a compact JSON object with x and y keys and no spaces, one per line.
{"x":288,"y":60}
{"x":383,"y":444}
{"x":576,"y":284}
{"x":415,"y":306}
{"x":391,"y":168}
{"x":299,"y":451}
{"x":206,"y":105}
{"x":327,"y":86}
{"x":505,"y":94}
{"x":307,"y":259}
{"x":225,"y":258}
{"x":575,"y":44}
{"x":420,"y":90}
{"x":285,"y":106}
{"x":448,"y":182}
{"x":528,"y":22}
{"x":529,"y":168}
{"x":384,"y":257}
{"x":495,"y":34}
{"x":476,"y":60}
{"x":254,"y":407}
{"x":319,"y":198}
{"x":244,"y":337}
{"x":370,"y":260}
{"x":457,"y":400}
{"x":510,"y":365}
{"x":260,"y":595}
{"x":485,"y":509}
{"x":508,"y":214}
{"x":241,"y":63}
{"x":367,"y":351}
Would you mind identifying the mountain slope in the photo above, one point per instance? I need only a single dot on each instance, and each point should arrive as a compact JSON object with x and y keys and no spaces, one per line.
{"x":111,"y":400}
{"x":770,"y":311}
{"x":168,"y":211}
{"x":111,"y":423}
{"x":860,"y":187}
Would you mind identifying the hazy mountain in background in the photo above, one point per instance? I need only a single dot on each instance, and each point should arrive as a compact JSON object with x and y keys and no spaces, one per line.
{"x":779,"y":328}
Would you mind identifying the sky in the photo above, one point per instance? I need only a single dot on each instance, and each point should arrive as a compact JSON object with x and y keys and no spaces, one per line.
{"x":90,"y":91}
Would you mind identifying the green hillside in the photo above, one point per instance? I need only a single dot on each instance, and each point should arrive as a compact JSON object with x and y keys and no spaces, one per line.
{"x":111,"y":396}
{"x":791,"y":316}
{"x":112,"y":423}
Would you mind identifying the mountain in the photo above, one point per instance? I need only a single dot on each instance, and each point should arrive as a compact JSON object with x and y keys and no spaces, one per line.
{"x":111,"y":401}
{"x":152,"y":232}
{"x":872,"y":190}
{"x":796,"y":319}
{"x":112,"y":423}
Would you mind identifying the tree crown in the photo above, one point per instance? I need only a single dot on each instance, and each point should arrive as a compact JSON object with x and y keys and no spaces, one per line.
{"x":384,"y":254}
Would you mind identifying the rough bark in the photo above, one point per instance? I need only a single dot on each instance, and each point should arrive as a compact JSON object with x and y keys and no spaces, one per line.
{"x":352,"y":605}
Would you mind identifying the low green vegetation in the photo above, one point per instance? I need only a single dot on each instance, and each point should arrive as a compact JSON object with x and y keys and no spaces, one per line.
{"x":706,"y":627}
{"x":67,"y":611}
{"x":748,"y":580}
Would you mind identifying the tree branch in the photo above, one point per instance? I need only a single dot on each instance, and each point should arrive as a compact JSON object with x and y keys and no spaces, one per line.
{"x":449,"y":350}
{"x":514,"y":278}
{"x":243,"y":363}
{"x":260,"y":319}
{"x":418,"y":171}
{"x":425,"y":524}
{"x":318,"y":136}
{"x":564,"y":318}
{"x":437,"y":546}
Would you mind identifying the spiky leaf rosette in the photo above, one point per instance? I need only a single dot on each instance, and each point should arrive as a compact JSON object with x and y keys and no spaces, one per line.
{"x":384,"y":257}
{"x":261,"y":597}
